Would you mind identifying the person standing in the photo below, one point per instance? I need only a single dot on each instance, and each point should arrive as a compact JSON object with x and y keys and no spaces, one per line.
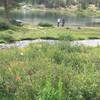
{"x":58,"y":22}
{"x":63,"y":22}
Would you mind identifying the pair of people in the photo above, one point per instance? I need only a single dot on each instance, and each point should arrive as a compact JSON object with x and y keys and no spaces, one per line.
{"x":61,"y":21}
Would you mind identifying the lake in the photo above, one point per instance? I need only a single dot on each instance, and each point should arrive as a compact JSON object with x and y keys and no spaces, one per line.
{"x":51,"y":17}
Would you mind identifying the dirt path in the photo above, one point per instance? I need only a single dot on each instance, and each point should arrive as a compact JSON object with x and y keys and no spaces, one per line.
{"x":21,"y":44}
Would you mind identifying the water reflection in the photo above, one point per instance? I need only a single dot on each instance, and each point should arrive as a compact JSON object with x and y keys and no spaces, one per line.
{"x":49,"y":17}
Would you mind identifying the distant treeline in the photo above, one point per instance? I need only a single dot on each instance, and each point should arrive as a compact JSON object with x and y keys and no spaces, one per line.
{"x":59,"y":3}
{"x":64,"y":3}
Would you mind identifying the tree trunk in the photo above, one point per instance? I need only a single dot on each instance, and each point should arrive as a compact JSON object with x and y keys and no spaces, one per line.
{"x":7,"y":10}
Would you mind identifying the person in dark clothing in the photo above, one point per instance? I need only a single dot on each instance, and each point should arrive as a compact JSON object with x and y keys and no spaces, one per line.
{"x":63,"y":22}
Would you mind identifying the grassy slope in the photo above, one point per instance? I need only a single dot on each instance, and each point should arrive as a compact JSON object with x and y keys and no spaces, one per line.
{"x":29,"y":32}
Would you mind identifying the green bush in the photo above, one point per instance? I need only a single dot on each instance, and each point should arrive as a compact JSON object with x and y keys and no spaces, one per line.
{"x":2,"y":41}
{"x":4,"y":25}
{"x":94,"y":37}
{"x":45,"y":25}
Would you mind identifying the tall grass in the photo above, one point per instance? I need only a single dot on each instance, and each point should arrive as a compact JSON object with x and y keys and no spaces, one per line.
{"x":50,"y":72}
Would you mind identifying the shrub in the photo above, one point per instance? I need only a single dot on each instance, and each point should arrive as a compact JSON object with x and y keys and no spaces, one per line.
{"x":80,"y":38}
{"x":49,"y":38}
{"x":2,"y":41}
{"x":79,"y":28}
{"x":67,"y":27}
{"x":45,"y":25}
{"x":94,"y":37}
{"x":4,"y":25}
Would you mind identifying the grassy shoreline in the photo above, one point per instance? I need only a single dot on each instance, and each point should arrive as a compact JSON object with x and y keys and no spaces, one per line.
{"x":28,"y":32}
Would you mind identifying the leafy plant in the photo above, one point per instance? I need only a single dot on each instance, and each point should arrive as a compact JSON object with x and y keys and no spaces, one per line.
{"x":4,"y":25}
{"x":45,"y":25}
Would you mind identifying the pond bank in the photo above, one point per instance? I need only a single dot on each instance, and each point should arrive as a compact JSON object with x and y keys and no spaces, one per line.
{"x":25,"y":43}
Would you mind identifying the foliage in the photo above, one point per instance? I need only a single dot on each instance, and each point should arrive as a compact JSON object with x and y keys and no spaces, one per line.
{"x":63,"y":3}
{"x":55,"y":3}
{"x":50,"y":72}
{"x":4,"y":25}
{"x":45,"y":25}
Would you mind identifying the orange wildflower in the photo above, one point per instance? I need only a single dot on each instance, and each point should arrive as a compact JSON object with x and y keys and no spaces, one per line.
{"x":18,"y":78}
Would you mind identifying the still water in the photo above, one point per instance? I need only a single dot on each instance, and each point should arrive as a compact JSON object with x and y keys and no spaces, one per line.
{"x":49,"y":17}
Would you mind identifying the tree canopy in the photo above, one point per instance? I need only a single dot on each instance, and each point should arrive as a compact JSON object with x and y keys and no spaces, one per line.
{"x":64,"y":3}
{"x":56,"y":3}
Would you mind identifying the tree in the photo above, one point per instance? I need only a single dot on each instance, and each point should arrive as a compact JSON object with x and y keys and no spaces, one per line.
{"x":8,"y":5}
{"x":7,"y":9}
